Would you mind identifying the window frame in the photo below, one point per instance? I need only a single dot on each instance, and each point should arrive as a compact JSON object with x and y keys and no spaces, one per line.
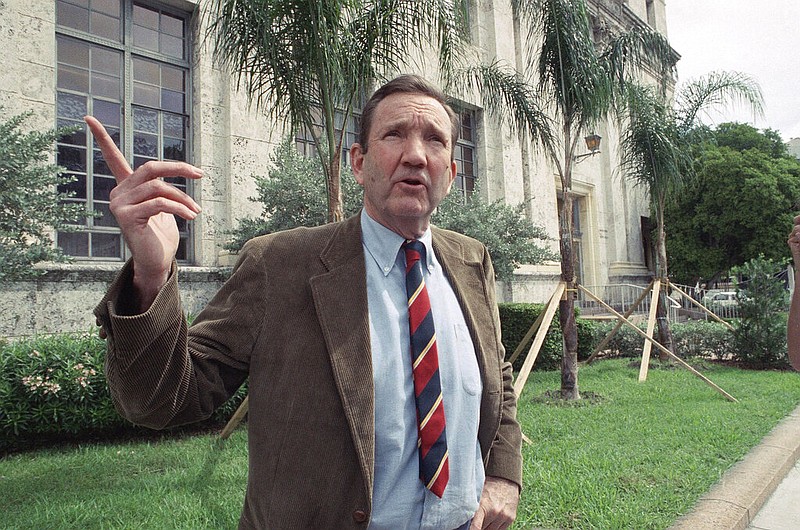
{"x":464,"y":183}
{"x":129,"y":52}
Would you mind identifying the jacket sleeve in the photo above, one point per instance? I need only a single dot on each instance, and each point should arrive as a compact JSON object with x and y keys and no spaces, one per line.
{"x":161,"y":372}
{"x":505,"y":455}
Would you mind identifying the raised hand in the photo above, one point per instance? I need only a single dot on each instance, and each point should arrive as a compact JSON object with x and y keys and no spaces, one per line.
{"x":143,"y":206}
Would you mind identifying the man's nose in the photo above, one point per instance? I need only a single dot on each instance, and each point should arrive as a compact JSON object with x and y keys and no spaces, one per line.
{"x":414,"y":151}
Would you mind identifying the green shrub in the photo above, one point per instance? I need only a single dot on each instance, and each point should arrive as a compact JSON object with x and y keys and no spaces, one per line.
{"x":517,"y":318}
{"x":508,"y":235}
{"x":695,"y":338}
{"x":32,"y":197}
{"x":759,"y":338}
{"x":292,"y":194}
{"x":625,"y":342}
{"x":52,"y":388}
{"x":698,"y":338}
{"x":589,"y":337}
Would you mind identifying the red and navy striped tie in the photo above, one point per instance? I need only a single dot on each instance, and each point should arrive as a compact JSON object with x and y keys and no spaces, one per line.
{"x":434,"y":469}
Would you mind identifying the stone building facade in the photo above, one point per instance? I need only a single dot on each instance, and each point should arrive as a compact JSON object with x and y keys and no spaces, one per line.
{"x":143,"y":69}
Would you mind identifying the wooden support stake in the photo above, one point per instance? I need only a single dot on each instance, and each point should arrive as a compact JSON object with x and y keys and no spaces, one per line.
{"x":619,"y":324}
{"x":237,"y":418}
{"x":701,"y":306}
{"x":527,"y":337}
{"x":651,"y":324}
{"x":525,"y":371}
{"x":662,"y":348}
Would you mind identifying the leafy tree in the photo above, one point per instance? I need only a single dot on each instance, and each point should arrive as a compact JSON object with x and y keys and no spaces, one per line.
{"x":307,"y":63}
{"x":740,"y":205}
{"x":759,"y":337}
{"x":509,"y":236}
{"x":656,"y":149}
{"x":291,"y":195}
{"x":741,"y":137}
{"x":31,"y":206}
{"x":576,"y":83}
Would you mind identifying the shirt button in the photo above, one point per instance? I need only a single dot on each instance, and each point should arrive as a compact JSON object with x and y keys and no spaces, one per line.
{"x":386,"y":269}
{"x":360,"y":516}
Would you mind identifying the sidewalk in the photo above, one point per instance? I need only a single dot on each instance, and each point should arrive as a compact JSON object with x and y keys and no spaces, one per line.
{"x":761,"y":492}
{"x":782,"y":510}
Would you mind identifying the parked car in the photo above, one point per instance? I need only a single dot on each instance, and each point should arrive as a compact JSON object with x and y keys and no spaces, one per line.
{"x":723,"y":302}
{"x":708,"y":296}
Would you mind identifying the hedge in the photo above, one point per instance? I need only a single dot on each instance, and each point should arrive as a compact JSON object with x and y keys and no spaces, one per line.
{"x":52,"y":389}
{"x":694,"y":338}
{"x":52,"y":385}
{"x":515,"y":321}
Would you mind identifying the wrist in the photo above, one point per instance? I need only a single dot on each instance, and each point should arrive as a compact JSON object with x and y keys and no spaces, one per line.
{"x":147,"y":285}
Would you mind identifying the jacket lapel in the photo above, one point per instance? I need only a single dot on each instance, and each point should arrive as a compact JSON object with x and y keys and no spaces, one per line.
{"x":467,"y":277}
{"x":340,"y":299}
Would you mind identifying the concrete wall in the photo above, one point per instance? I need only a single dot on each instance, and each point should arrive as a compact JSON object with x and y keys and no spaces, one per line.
{"x":65,"y":297}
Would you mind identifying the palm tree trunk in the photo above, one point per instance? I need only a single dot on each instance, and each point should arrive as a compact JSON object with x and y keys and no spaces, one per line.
{"x":664,"y":333}
{"x":662,"y":317}
{"x":566,"y":307}
{"x":333,"y":181}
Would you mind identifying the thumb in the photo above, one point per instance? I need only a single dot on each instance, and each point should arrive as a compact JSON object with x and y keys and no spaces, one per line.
{"x":477,"y":520}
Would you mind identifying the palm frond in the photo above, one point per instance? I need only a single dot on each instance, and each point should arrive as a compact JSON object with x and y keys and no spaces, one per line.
{"x":717,"y":89}
{"x":639,"y":48}
{"x":508,"y":96}
{"x":653,"y":150}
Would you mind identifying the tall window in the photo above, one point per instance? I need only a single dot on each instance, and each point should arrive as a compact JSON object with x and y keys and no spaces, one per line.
{"x":304,"y":141}
{"x":126,"y":64}
{"x":651,"y":14}
{"x":464,"y":154}
{"x":577,"y":234}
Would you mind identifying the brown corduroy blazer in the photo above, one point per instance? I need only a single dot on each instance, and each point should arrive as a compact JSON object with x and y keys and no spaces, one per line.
{"x":293,"y":317}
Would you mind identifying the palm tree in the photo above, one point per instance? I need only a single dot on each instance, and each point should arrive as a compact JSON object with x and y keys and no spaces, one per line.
{"x":307,"y":62}
{"x":573,"y":85}
{"x":657,"y":143}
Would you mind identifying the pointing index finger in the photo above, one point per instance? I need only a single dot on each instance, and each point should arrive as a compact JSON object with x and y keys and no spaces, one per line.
{"x":112,"y":155}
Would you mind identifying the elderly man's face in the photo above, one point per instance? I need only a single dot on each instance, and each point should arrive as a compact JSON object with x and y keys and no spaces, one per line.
{"x":408,"y":168}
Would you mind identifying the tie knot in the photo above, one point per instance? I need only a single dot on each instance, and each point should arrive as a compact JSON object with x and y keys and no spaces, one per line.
{"x":415,"y":251}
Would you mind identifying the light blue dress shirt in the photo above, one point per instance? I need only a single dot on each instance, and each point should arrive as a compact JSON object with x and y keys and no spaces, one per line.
{"x":400,"y":500}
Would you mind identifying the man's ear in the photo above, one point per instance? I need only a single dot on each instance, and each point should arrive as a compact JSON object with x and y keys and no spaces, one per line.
{"x":453,"y":173}
{"x":357,"y":162}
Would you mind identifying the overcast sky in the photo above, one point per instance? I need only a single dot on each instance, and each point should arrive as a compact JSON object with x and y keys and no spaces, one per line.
{"x":757,"y":37}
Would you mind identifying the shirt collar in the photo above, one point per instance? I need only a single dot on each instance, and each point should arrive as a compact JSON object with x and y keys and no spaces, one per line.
{"x":384,"y":245}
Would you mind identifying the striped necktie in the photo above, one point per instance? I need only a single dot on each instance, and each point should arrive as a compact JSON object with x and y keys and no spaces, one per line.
{"x":434,"y":469}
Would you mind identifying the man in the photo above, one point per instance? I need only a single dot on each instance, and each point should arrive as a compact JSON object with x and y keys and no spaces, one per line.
{"x":321,"y":323}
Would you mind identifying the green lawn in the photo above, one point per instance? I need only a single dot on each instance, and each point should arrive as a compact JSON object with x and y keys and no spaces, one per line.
{"x":643,"y":453}
{"x":632,"y":455}
{"x":187,"y":483}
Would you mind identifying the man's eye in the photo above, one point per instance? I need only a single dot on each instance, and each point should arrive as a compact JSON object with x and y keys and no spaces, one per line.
{"x":391,"y":134}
